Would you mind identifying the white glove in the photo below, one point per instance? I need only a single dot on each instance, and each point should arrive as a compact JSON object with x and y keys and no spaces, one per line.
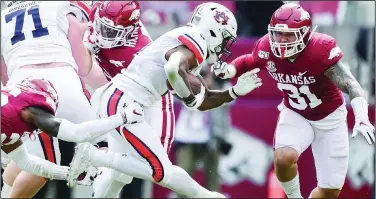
{"x":89,"y":40}
{"x":362,"y":123}
{"x":246,"y":83}
{"x":223,"y":70}
{"x":197,"y":101}
{"x":133,"y":113}
{"x":366,"y":129}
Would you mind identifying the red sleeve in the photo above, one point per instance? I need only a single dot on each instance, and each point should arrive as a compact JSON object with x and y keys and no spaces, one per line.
{"x":331,"y":52}
{"x":243,"y":64}
{"x":246,"y":62}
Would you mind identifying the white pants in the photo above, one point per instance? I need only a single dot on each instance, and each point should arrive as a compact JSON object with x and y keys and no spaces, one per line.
{"x":329,"y":140}
{"x":74,"y":105}
{"x":149,"y":141}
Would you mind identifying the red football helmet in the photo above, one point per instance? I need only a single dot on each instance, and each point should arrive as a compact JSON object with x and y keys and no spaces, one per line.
{"x":81,"y":10}
{"x":42,"y":86}
{"x":114,"y":21}
{"x":290,"y":18}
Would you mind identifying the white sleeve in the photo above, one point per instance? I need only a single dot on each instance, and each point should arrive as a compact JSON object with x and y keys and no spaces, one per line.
{"x":36,"y":165}
{"x":172,"y":71}
{"x":89,"y":130}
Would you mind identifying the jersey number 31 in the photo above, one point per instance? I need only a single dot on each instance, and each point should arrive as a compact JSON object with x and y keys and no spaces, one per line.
{"x":20,"y":16}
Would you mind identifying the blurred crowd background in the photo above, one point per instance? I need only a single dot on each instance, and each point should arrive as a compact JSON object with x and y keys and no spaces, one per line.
{"x":230,"y":149}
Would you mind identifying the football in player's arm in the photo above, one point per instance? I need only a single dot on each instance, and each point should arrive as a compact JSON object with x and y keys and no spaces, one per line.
{"x":181,"y":60}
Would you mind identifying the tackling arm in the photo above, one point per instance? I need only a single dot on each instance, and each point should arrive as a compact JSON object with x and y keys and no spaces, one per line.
{"x":4,"y":74}
{"x":66,"y":130}
{"x":33,"y":164}
{"x":79,"y":52}
{"x":236,"y":68}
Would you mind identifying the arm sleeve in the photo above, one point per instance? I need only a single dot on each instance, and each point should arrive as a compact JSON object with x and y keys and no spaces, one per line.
{"x":243,"y":64}
{"x":38,"y":166}
{"x":246,"y":62}
{"x":88,"y":131}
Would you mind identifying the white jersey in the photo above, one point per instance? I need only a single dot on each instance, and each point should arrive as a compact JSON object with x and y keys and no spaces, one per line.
{"x":145,"y":77}
{"x":35,"y":32}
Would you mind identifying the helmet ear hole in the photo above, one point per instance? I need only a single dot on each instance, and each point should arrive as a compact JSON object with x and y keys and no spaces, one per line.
{"x":212,"y":34}
{"x":213,"y":9}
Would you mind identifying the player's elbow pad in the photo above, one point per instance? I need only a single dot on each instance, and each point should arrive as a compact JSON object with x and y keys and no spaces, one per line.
{"x":172,"y":71}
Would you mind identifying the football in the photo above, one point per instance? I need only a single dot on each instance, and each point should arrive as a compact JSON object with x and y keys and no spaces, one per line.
{"x":194,"y":82}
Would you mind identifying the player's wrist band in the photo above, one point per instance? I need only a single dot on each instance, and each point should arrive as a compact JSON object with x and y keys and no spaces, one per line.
{"x":233,"y":93}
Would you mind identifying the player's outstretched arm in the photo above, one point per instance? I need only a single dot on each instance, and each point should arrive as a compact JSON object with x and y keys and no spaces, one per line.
{"x":83,"y":132}
{"x":246,"y":83}
{"x":341,"y":76}
{"x":237,"y":67}
{"x":33,"y":164}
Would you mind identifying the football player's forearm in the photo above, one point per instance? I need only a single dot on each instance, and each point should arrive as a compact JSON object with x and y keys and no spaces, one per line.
{"x":67,"y":131}
{"x":4,"y":74}
{"x":177,"y":75}
{"x":214,"y":99}
{"x":87,"y":131}
{"x":241,"y":64}
{"x":344,"y":80}
{"x":36,"y":165}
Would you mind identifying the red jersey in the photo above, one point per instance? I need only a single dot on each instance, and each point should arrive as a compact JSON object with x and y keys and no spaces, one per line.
{"x":113,"y":60}
{"x":13,"y":101}
{"x":306,"y":89}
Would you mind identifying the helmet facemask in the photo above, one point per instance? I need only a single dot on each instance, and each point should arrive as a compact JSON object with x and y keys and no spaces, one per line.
{"x":223,"y":51}
{"x":108,"y":35}
{"x":287,"y":49}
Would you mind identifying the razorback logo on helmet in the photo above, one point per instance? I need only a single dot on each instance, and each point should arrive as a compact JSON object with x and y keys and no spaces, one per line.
{"x":221,"y":17}
{"x":304,"y":16}
{"x":135,"y":15}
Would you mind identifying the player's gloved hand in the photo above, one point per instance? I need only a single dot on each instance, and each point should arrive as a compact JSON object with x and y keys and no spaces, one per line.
{"x":366,"y":129}
{"x":89,"y":39}
{"x":246,"y":83}
{"x":362,"y":123}
{"x":223,"y":70}
{"x":133,"y":113}
{"x":192,"y":103}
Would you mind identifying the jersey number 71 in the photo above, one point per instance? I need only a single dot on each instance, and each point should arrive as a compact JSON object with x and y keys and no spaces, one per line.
{"x":20,"y":16}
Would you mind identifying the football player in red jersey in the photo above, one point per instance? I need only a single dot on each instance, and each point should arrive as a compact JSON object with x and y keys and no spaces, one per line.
{"x":32,"y":104}
{"x":115,"y":35}
{"x":308,"y":69}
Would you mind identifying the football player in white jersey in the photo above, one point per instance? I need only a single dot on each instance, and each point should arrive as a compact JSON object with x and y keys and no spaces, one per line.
{"x":171,"y":57}
{"x":44,"y":39}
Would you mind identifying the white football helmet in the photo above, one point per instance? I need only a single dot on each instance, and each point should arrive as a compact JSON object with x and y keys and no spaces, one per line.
{"x":218,"y":26}
{"x":81,"y":9}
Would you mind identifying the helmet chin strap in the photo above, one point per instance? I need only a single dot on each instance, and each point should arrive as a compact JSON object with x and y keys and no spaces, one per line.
{"x":313,"y":30}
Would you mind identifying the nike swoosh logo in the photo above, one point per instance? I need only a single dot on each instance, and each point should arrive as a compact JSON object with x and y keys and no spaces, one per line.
{"x":301,"y":74}
{"x":134,"y":112}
